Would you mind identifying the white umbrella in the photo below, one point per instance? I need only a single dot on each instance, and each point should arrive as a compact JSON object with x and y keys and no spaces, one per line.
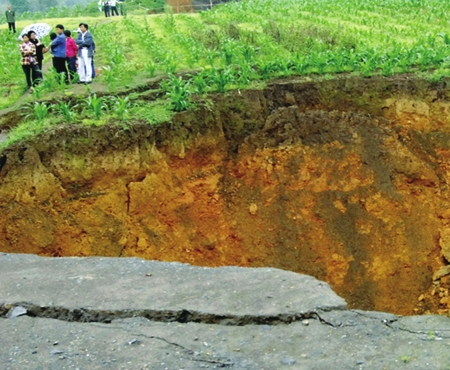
{"x":40,"y":29}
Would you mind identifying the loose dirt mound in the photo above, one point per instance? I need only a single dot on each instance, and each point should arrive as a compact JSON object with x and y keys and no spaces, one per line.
{"x":345,"y":180}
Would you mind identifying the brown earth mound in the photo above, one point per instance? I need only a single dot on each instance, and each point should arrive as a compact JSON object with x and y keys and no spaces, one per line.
{"x":345,"y":180}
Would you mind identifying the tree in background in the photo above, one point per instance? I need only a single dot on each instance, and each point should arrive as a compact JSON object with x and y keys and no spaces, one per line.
{"x":19,"y":6}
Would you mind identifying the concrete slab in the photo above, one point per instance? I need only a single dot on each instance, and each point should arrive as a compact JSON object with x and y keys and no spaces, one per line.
{"x":97,"y":313}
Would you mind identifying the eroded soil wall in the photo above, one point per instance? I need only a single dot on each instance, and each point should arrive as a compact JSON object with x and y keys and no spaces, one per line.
{"x":346,"y":180}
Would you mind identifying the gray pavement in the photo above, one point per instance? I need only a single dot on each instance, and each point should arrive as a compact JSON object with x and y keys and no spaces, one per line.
{"x":96,"y":313}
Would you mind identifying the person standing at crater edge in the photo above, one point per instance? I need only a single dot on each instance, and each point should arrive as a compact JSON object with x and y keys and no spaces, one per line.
{"x":39,"y":48}
{"x":113,"y":7}
{"x":29,"y":64}
{"x":85,"y":43}
{"x":11,"y":18}
{"x":71,"y":54}
{"x":106,"y":8}
{"x":58,"y":48}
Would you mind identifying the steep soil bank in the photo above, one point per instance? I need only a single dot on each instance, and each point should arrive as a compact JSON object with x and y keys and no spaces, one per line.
{"x":346,"y":180}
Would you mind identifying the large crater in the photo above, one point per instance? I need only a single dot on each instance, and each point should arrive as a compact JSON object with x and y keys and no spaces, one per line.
{"x":345,"y":180}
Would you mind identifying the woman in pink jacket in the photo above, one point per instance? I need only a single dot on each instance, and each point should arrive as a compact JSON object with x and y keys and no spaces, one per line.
{"x":71,"y":54}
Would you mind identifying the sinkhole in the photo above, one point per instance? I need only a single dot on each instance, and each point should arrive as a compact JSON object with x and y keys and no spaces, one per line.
{"x":344,"y":179}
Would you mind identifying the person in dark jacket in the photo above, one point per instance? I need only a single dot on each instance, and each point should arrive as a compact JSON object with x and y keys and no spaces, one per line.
{"x":39,"y":48}
{"x":11,"y":18}
{"x":58,"y":47}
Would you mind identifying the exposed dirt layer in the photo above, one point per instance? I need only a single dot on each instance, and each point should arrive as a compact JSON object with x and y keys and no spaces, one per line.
{"x":345,"y":180}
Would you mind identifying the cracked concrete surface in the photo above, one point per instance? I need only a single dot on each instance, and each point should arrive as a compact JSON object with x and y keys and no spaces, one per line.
{"x":95,"y":313}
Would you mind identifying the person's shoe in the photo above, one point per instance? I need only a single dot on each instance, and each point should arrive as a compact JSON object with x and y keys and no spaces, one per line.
{"x":81,"y":82}
{"x":88,"y":82}
{"x":30,"y":90}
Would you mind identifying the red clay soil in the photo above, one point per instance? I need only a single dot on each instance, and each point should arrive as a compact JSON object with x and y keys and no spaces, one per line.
{"x":345,"y":180}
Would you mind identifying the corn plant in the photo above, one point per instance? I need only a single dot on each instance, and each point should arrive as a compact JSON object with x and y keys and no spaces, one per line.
{"x":110,"y":75}
{"x":170,"y":64}
{"x":445,"y":37}
{"x":117,"y":55}
{"x":221,"y":78}
{"x":169,"y":20}
{"x":248,"y":52}
{"x":51,"y":82}
{"x":245,"y":74}
{"x":228,"y":51}
{"x":210,"y":56}
{"x":199,"y":82}
{"x":150,"y":68}
{"x":121,"y":106}
{"x":178,"y":92}
{"x":193,"y":55}
{"x":38,"y":91}
{"x":95,"y":105}
{"x":65,"y":110}
{"x":38,"y":111}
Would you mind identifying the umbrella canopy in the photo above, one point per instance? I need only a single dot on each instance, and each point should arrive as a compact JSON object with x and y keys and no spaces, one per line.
{"x":40,"y":29}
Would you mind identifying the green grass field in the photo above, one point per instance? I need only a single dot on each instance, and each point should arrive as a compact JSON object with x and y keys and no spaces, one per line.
{"x":233,"y":46}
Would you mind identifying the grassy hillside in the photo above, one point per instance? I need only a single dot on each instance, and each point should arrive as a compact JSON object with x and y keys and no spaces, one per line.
{"x":234,"y":46}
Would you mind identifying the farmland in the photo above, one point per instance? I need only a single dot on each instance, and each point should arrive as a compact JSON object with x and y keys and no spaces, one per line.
{"x":237,"y":46}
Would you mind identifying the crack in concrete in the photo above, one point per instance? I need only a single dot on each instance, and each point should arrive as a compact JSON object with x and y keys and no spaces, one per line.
{"x":191,"y":353}
{"x":388,"y":323}
{"x":181,"y":316}
{"x":323,"y":321}
{"x":431,"y":335}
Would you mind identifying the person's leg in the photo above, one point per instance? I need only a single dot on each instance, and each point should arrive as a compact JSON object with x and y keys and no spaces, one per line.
{"x":71,"y":63}
{"x":93,"y":68}
{"x":14,"y":26}
{"x":36,"y":74}
{"x":61,"y":67}
{"x":55,"y":64}
{"x":87,"y":65}
{"x":26,"y":70}
{"x":81,"y":69}
{"x":10,"y":26}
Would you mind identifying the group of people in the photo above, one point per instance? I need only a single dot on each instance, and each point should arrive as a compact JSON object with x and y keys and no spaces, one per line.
{"x":110,"y":7}
{"x":66,"y":52}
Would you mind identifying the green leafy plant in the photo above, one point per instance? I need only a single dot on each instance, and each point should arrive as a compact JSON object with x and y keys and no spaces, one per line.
{"x":110,"y":75}
{"x":199,"y":82}
{"x":38,"y":111}
{"x":67,"y":111}
{"x":221,"y":78}
{"x":178,"y":92}
{"x":38,"y":90}
{"x":95,"y":105}
{"x":121,"y":106}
